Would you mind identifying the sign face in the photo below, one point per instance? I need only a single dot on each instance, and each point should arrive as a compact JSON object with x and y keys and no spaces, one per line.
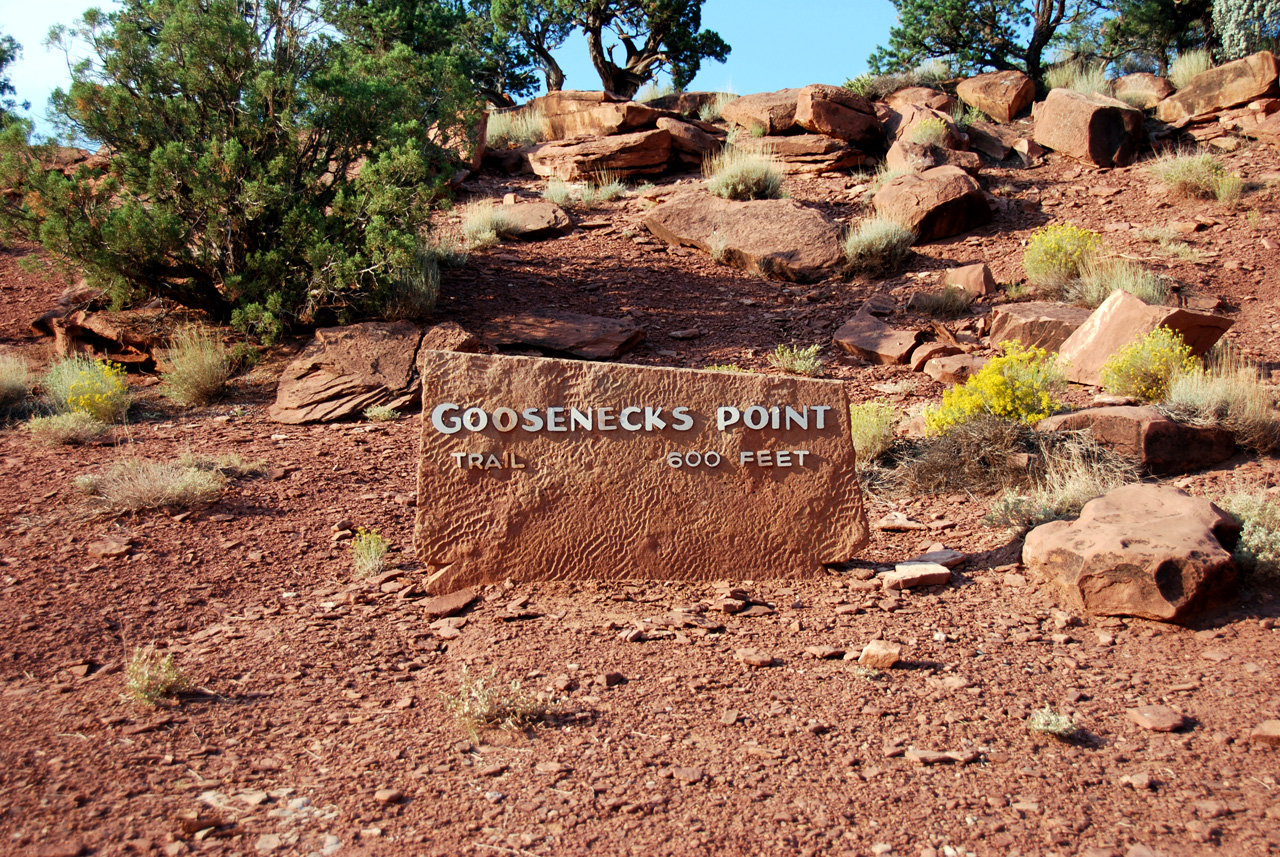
{"x":539,"y":469}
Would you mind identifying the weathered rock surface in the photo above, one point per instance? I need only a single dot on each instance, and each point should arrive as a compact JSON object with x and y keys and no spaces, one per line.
{"x":1142,"y":89}
{"x":837,"y":112}
{"x":1156,"y":718}
{"x":534,"y":221}
{"x":921,"y":96}
{"x":562,"y":333}
{"x":601,"y":120}
{"x":807,"y":153}
{"x":976,"y":279}
{"x":994,"y":141}
{"x":900,"y":122}
{"x":1037,"y":324}
{"x":1142,"y":550}
{"x":873,"y":340}
{"x":1002,"y":95}
{"x":773,"y":112}
{"x":639,"y":153}
{"x":1092,"y":128}
{"x":605,"y":503}
{"x":131,"y":337}
{"x":912,"y":575}
{"x":936,"y":203}
{"x":954,"y":368}
{"x":880,"y":655}
{"x":930,"y":350}
{"x":1123,"y":319}
{"x":1227,"y":85}
{"x":1160,"y":444}
{"x":689,"y":138}
{"x":684,"y":103}
{"x":776,"y":238}
{"x":905,"y":155}
{"x":347,"y":369}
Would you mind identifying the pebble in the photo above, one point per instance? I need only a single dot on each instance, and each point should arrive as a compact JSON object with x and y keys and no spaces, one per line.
{"x":267,"y":843}
{"x":729,"y":718}
{"x":1267,"y":732}
{"x":880,"y":655}
{"x":1157,"y":718}
{"x":388,"y":795}
{"x":754,"y":657}
{"x":824,"y":652}
{"x":494,"y":797}
{"x":897,"y":522}
{"x":687,"y":775}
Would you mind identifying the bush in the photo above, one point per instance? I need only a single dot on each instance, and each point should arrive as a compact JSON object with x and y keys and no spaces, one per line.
{"x":1258,"y":550}
{"x":368,"y":553}
{"x":1197,"y":176}
{"x":797,"y":360}
{"x":1229,"y":394}
{"x":930,"y":131}
{"x":1228,"y":188}
{"x":520,"y":127}
{"x":951,"y":302}
{"x":735,"y":173}
{"x":557,"y":191}
{"x":137,"y":484}
{"x":481,"y":704}
{"x":230,"y":465}
{"x":201,"y":366}
{"x":149,"y":677}
{"x":604,"y":187}
{"x":1078,"y":76}
{"x":872,"y":427}
{"x":1049,"y":722}
{"x":1187,"y":65}
{"x":1145,"y":368}
{"x":483,"y":223}
{"x":1057,"y":254}
{"x":710,"y":112}
{"x":1101,"y":277}
{"x":878,"y":246}
{"x":66,"y":429}
{"x":381,"y":414}
{"x":1019,"y":385}
{"x":87,"y":386}
{"x":15,"y":380}
{"x":979,"y":454}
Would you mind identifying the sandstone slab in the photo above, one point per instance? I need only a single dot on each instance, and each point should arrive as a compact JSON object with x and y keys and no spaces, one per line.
{"x":1093,"y":128}
{"x":905,"y":155}
{"x":535,"y":221}
{"x":1002,"y":95}
{"x":601,"y":120}
{"x":1143,"y":90}
{"x":836,"y":112}
{"x":1156,"y":718}
{"x":651,"y":490}
{"x":772,"y":112}
{"x":807,"y":153}
{"x":1150,"y":551}
{"x":1123,"y":319}
{"x":930,"y":350}
{"x":954,"y":368}
{"x":562,"y":333}
{"x":880,"y":655}
{"x":900,"y":122}
{"x":937,"y":203}
{"x":449,"y":604}
{"x":775,"y":238}
{"x":1267,"y":732}
{"x":689,"y":138}
{"x":912,"y":575}
{"x":685,"y":103}
{"x":873,"y":340}
{"x":1037,"y":324}
{"x":638,"y":153}
{"x":921,"y":96}
{"x":1160,"y":444}
{"x":976,"y":279}
{"x":1228,"y":85}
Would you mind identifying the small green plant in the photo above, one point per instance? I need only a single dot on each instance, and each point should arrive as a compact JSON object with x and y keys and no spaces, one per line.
{"x":797,"y":360}
{"x":15,"y":380}
{"x":930,"y":131}
{"x":950,"y":302}
{"x":1254,"y":219}
{"x":413,"y":294}
{"x":1049,"y":722}
{"x":94,"y":387}
{"x":244,"y":355}
{"x":725,"y":367}
{"x":381,"y":414}
{"x":66,"y":429}
{"x":863,"y":84}
{"x":1103,"y":276}
{"x":1227,"y":392}
{"x":757,"y":130}
{"x":736,"y":173}
{"x":485,"y":703}
{"x":137,"y":484}
{"x":1020,"y":385}
{"x":263,"y":322}
{"x":483,"y":223}
{"x":1187,"y":65}
{"x":557,"y":191}
{"x":872,"y":425}
{"x":965,"y":115}
{"x":520,"y":127}
{"x":150,"y":677}
{"x":1258,"y":550}
{"x":1057,"y":254}
{"x":200,"y":365}
{"x":1145,"y":368}
{"x":1228,"y":188}
{"x":867,"y":673}
{"x":1078,"y":76}
{"x":710,"y":112}
{"x":1196,"y":176}
{"x":878,"y":246}
{"x":368,"y":553}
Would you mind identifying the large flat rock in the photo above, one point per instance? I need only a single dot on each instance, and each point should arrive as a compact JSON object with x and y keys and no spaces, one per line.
{"x":868,"y":337}
{"x":807,"y":153}
{"x":1149,"y":437}
{"x":1228,"y":85}
{"x":836,"y":112}
{"x":563,"y":333}
{"x":1036,"y":324}
{"x":638,"y":153}
{"x":771,"y":112}
{"x":651,"y":473}
{"x":602,"y":120}
{"x":776,"y":238}
{"x":1001,"y":95}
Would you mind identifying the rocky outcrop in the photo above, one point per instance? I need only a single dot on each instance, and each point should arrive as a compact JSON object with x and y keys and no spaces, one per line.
{"x":1092,"y":128}
{"x":1002,"y":95}
{"x":837,"y":112}
{"x":1123,"y":319}
{"x":807,"y":153}
{"x":900,"y":122}
{"x":771,"y":112}
{"x":639,"y":153}
{"x":535,"y":221}
{"x":776,"y":238}
{"x":1228,"y":85}
{"x":1150,"y":551}
{"x":601,"y":120}
{"x":1038,"y":324}
{"x":936,"y":203}
{"x":1159,"y":444}
{"x":684,"y":103}
{"x":1142,"y":89}
{"x":688,"y":139}
{"x":905,"y":155}
{"x":588,"y":337}
{"x":921,"y":96}
{"x":876,"y":342}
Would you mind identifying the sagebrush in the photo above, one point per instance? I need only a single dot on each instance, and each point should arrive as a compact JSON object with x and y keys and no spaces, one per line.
{"x":66,"y":429}
{"x":368,"y":553}
{"x":138,"y":484}
{"x":1258,"y":550}
{"x":520,"y":127}
{"x":742,"y":174}
{"x":797,"y":360}
{"x":15,"y":380}
{"x":872,"y":425}
{"x":1187,"y":65}
{"x":483,"y":703}
{"x":484,"y":223}
{"x":878,"y":246}
{"x":1103,"y":276}
{"x":1227,"y":392}
{"x":1056,"y":255}
{"x":199,"y":366}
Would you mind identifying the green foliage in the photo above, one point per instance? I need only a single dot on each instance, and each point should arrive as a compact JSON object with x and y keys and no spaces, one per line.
{"x":263,"y":322}
{"x":725,"y":367}
{"x":1140,"y":35}
{"x":540,"y":26}
{"x":710,"y":112}
{"x":1197,"y":176}
{"x":93,"y":387}
{"x":1020,"y":385}
{"x":9,"y":51}
{"x":1246,"y":26}
{"x":486,"y":703}
{"x":1145,"y":368}
{"x":138,"y":484}
{"x":200,"y":365}
{"x":1258,"y":550}
{"x":1057,"y":254}
{"x":877,"y":246}
{"x":150,"y":677}
{"x":15,"y":380}
{"x":1050,"y":722}
{"x":930,"y":131}
{"x":279,"y":154}
{"x":1188,"y":65}
{"x":797,"y":361}
{"x":876,"y":87}
{"x":557,"y":191}
{"x":1229,"y":393}
{"x":872,"y":426}
{"x":381,"y":414}
{"x":66,"y":429}
{"x":413,"y":293}
{"x":1101,"y":277}
{"x":520,"y":127}
{"x":657,"y":36}
{"x":736,"y":173}
{"x":368,"y":553}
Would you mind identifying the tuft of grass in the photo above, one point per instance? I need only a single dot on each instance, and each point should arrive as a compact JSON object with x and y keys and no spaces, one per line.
{"x":877,"y":246}
{"x":66,"y":429}
{"x":1101,"y":277}
{"x":951,"y":302}
{"x":1228,"y":393}
{"x":483,"y":223}
{"x":1197,"y":176}
{"x":1081,"y":77}
{"x":710,"y":112}
{"x":1057,"y":254}
{"x":137,"y":484}
{"x":230,"y":465}
{"x":978,"y":455}
{"x":872,"y":426}
{"x":201,"y":366}
{"x":413,"y":293}
{"x":1049,"y":722}
{"x":725,"y":367}
{"x":368,"y":553}
{"x":557,"y":191}
{"x":797,"y":361}
{"x":150,"y":677}
{"x":882,"y":176}
{"x":485,"y":703}
{"x":1258,"y":550}
{"x":876,"y":87}
{"x":1146,"y":368}
{"x":608,"y":186}
{"x":1228,"y":188}
{"x":94,"y":387}
{"x":381,"y":414}
{"x":15,"y":380}
{"x":520,"y":127}
{"x":1169,"y":243}
{"x":1187,"y":65}
{"x":930,"y":131}
{"x":734,"y":173}
{"x":653,"y":90}
{"x":964,"y":115}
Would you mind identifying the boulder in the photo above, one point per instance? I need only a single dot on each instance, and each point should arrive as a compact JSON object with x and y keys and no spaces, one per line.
{"x":1092,"y":128}
{"x":1123,"y":319}
{"x":937,"y":203}
{"x":900,"y":122}
{"x":572,"y":101}
{"x":1228,"y":85}
{"x":994,"y":141}
{"x":976,"y":279}
{"x":1038,"y":324}
{"x":1142,"y":89}
{"x":601,"y":120}
{"x":131,"y":337}
{"x":347,"y":369}
{"x":1150,"y":551}
{"x":880,"y":655}
{"x":535,"y":221}
{"x":954,"y":368}
{"x":921,"y":96}
{"x":684,"y":103}
{"x":1001,"y":95}
{"x":807,"y":153}
{"x":776,"y":238}
{"x":689,"y":138}
{"x":904,"y":156}
{"x":639,"y":153}
{"x":773,"y":112}
{"x":564,"y":334}
{"x":876,"y":342}
{"x":837,"y":112}
{"x":1146,"y":435}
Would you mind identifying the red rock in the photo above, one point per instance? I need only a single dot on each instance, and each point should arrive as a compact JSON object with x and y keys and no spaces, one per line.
{"x":1267,"y":732}
{"x":586,"y":336}
{"x":109,"y":548}
{"x":601,"y":120}
{"x":837,"y":112}
{"x":448,"y":605}
{"x":912,"y":575}
{"x":928,"y":351}
{"x":534,"y":221}
{"x":1143,"y":90}
{"x":976,"y":279}
{"x":772,"y":112}
{"x":689,"y":138}
{"x":1177,"y":570}
{"x":1037,"y":324}
{"x":900,"y":122}
{"x":905,"y":155}
{"x":1002,"y":95}
{"x":1092,"y":128}
{"x":685,"y":103}
{"x":875,"y":341}
{"x":623,"y":155}
{"x":955,"y":368}
{"x":937,"y":203}
{"x":1232,"y":83}
{"x":807,"y":153}
{"x":1149,"y":437}
{"x":880,"y":655}
{"x":754,"y":657}
{"x":1156,"y":718}
{"x":823,"y":653}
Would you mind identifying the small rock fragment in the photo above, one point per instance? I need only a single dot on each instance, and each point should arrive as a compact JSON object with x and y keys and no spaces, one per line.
{"x":388,"y":795}
{"x":916,"y":574}
{"x":824,"y":652}
{"x":880,"y":655}
{"x":1157,"y":718}
{"x":754,"y":657}
{"x":1267,"y":732}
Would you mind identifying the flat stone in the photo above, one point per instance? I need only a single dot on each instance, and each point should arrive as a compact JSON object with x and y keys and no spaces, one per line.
{"x":1148,"y":436}
{"x":448,"y":605}
{"x":771,"y":112}
{"x":623,"y":155}
{"x":976,"y":279}
{"x":945,"y":557}
{"x":935,"y":757}
{"x":1227,"y":85}
{"x":880,"y":655}
{"x":601,"y":120}
{"x":603,"y":503}
{"x":109,"y":548}
{"x":1156,"y":718}
{"x":836,"y":112}
{"x":689,"y":138}
{"x":907,"y":155}
{"x":388,"y":795}
{"x":686,"y":775}
{"x":807,"y":153}
{"x":824,"y":652}
{"x":954,"y":368}
{"x":267,"y":843}
{"x":535,"y":221}
{"x":1002,"y":95}
{"x":927,"y":351}
{"x":1037,"y":324}
{"x":897,"y":522}
{"x":1267,"y":733}
{"x":874,"y":341}
{"x":912,"y":575}
{"x":754,"y":657}
{"x":562,"y":333}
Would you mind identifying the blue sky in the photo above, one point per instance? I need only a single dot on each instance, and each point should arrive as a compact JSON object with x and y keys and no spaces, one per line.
{"x":775,"y":45}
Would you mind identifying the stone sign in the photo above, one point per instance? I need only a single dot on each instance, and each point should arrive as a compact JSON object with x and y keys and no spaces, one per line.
{"x":540,"y":469}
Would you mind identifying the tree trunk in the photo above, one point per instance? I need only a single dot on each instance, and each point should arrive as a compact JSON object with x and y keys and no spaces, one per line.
{"x":550,"y":69}
{"x":599,"y":59}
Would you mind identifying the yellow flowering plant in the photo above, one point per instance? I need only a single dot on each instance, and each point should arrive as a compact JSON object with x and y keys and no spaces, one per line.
{"x":1057,"y":254}
{"x":1020,"y":385}
{"x":87,"y":386}
{"x":1145,"y":368}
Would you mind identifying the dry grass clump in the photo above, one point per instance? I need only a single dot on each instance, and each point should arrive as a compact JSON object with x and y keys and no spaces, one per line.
{"x":368,"y":553}
{"x":137,"y":484}
{"x":930,"y":131}
{"x":950,"y":302}
{"x":231,"y":465}
{"x":872,"y":424}
{"x":604,"y":187}
{"x":735,"y":173}
{"x":1081,"y":77}
{"x":520,"y":127}
{"x":1187,"y":65}
{"x":1197,"y":176}
{"x":725,"y":367}
{"x":1103,"y":276}
{"x":1227,"y":392}
{"x":981,"y":454}
{"x":414,"y":292}
{"x":15,"y":380}
{"x":876,"y":87}
{"x":1258,"y":550}
{"x":797,"y":361}
{"x":201,"y":366}
{"x":150,"y":677}
{"x":1049,"y":722}
{"x":557,"y":191}
{"x":877,"y":246}
{"x":482,"y":703}
{"x":710,"y":112}
{"x":483,"y":223}
{"x":66,"y":429}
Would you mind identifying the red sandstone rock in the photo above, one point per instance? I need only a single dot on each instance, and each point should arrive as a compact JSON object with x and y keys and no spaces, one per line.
{"x":1037,"y":324}
{"x":586,"y":336}
{"x":773,"y":112}
{"x":640,"y":153}
{"x":1142,"y":90}
{"x":1149,"y":437}
{"x":1228,"y":85}
{"x":1091,"y":128}
{"x":1002,"y":95}
{"x":875,"y":341}
{"x":535,"y":221}
{"x":976,"y":279}
{"x":837,"y":112}
{"x":936,"y":203}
